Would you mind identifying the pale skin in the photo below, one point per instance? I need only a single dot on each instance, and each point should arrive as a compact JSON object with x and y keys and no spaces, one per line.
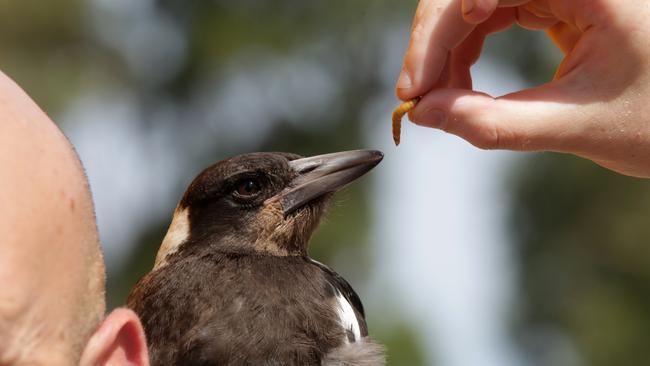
{"x":597,"y":106}
{"x":51,"y":270}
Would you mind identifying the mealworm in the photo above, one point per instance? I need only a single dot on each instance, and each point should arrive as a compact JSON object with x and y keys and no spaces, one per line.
{"x":398,"y":113}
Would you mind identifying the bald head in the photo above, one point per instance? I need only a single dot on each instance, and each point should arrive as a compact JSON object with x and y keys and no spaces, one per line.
{"x":51,"y":269}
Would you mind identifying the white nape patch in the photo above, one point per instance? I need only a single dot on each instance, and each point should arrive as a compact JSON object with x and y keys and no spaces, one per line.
{"x":348,"y":317}
{"x":178,"y":232}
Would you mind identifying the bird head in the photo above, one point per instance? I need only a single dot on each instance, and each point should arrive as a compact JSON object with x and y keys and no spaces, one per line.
{"x":260,"y":203}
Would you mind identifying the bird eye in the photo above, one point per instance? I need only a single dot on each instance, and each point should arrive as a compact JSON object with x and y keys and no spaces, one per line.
{"x":247,"y":188}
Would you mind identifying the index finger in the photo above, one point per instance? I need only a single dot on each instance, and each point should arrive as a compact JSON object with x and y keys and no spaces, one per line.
{"x":438,"y":27}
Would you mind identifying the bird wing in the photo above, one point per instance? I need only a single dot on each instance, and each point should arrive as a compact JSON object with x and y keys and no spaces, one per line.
{"x":347,"y":291}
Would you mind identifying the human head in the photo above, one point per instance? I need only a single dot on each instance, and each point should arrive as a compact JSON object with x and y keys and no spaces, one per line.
{"x":51,"y":268}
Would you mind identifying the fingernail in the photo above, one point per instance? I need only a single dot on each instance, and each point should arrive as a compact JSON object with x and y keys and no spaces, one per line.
{"x":467,"y":6}
{"x":404,"y":81}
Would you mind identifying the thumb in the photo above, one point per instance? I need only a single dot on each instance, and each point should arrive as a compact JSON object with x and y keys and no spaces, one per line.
{"x":529,"y":120}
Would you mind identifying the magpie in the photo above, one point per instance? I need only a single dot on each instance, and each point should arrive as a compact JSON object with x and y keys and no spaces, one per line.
{"x":232,"y":282}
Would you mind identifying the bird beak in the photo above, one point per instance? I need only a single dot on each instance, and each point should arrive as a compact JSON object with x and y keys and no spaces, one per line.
{"x":322,"y":174}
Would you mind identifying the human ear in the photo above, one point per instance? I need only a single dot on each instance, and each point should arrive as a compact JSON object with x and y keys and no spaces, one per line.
{"x":119,"y":340}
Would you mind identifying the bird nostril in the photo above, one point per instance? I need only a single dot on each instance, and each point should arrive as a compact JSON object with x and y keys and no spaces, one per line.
{"x":304,"y":165}
{"x":308,"y":169}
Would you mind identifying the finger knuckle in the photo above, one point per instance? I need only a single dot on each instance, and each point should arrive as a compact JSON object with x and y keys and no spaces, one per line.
{"x":493,"y":137}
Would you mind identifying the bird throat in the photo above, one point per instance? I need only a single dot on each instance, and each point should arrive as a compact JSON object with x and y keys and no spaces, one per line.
{"x":279,"y":235}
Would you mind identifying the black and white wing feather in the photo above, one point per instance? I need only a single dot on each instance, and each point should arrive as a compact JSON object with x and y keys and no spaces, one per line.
{"x":358,"y":349}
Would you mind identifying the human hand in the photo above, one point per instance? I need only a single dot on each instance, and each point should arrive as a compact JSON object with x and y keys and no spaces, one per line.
{"x":597,"y":106}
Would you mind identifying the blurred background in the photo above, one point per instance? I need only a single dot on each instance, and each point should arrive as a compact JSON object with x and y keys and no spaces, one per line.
{"x":462,"y":257}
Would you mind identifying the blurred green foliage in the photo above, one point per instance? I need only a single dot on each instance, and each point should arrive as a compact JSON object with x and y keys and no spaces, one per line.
{"x":583,"y":242}
{"x":44,"y":48}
